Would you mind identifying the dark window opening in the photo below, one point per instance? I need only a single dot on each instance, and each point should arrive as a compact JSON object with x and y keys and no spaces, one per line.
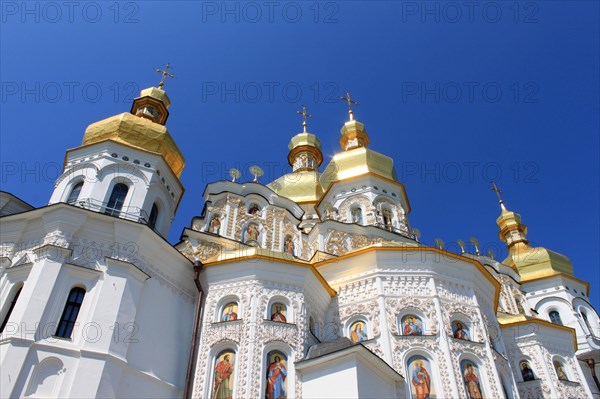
{"x":116,"y":200}
{"x":74,"y":196}
{"x":10,"y":309}
{"x":153,"y":216}
{"x":69,"y":316}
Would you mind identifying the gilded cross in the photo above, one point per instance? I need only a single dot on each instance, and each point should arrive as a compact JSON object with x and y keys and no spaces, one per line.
{"x":350,"y":102}
{"x":305,"y":115}
{"x":495,"y":188}
{"x":165,"y":74}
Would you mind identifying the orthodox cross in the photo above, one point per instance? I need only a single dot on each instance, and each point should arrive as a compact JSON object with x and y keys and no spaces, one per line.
{"x":305,"y":115}
{"x":350,"y":102}
{"x":165,"y":74}
{"x":495,"y":188}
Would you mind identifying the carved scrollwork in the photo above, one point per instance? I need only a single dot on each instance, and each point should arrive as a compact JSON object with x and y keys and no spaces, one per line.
{"x":424,"y":305}
{"x":357,"y":200}
{"x":452,"y":309}
{"x":368,"y":309}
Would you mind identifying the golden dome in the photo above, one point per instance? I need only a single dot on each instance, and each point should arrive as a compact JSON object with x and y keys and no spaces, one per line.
{"x":357,"y":162}
{"x":305,"y":152}
{"x":530,"y":262}
{"x":157,"y":94}
{"x":304,"y":139}
{"x":139,"y":133}
{"x":354,"y":135}
{"x":537,"y":262}
{"x":511,"y":230}
{"x":299,"y":186}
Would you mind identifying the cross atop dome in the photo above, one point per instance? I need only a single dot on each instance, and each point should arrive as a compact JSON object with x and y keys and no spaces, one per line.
{"x":495,"y":188}
{"x":165,"y":74}
{"x":350,"y":102}
{"x":305,"y":115}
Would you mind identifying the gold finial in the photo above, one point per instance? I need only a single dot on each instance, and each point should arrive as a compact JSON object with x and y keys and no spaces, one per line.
{"x":495,"y":188}
{"x":350,"y":102}
{"x":305,"y":115}
{"x":165,"y":74}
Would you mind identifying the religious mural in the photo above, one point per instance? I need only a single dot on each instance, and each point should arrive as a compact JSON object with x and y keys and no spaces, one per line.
{"x":419,"y":372}
{"x":411,"y":325}
{"x":253,"y":209}
{"x":230,"y":312}
{"x":215,"y":225}
{"x":356,"y":214}
{"x":471,"y":378}
{"x":358,"y":331}
{"x":276,"y":375}
{"x":252,"y":233}
{"x":278,"y":312}
{"x":223,"y":375}
{"x":288,"y":245}
{"x":526,"y":371}
{"x":560,"y":371}
{"x":460,"y":331}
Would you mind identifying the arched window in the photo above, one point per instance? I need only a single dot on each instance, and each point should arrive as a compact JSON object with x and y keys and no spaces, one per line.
{"x":153,"y":216}
{"x":74,"y":196}
{"x":69,"y":316}
{"x":387,"y":218}
{"x":10,"y":309}
{"x":586,"y":321}
{"x":116,"y":200}
{"x":356,"y":215}
{"x":555,"y":317}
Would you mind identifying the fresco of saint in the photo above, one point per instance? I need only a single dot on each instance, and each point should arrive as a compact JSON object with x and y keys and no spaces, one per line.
{"x":230,"y":312}
{"x":471,"y":379}
{"x":419,"y":371}
{"x":526,"y":371}
{"x":278,"y":313}
{"x":215,"y":225}
{"x":276,"y":376}
{"x":252,"y":232}
{"x":460,"y":331}
{"x":412,"y":325}
{"x":223,"y":376}
{"x":358,"y":331}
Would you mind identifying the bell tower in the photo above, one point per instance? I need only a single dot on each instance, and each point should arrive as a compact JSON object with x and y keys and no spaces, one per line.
{"x":128,"y":165}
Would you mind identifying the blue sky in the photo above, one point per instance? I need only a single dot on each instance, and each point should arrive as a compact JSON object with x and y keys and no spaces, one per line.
{"x":458,"y":93}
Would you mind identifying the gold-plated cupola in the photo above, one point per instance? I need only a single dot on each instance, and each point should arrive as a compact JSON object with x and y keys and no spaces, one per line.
{"x":530,"y":262}
{"x":305,"y":148}
{"x":353,"y":132}
{"x":142,"y":128}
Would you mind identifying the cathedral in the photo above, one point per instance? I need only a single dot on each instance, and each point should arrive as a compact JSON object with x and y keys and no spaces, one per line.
{"x":313,"y":285}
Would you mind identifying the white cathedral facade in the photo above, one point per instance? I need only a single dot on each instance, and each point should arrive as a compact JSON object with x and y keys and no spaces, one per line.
{"x":311,"y":286}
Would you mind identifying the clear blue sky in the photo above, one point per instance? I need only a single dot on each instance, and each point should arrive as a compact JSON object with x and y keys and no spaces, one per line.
{"x":458,"y":95}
